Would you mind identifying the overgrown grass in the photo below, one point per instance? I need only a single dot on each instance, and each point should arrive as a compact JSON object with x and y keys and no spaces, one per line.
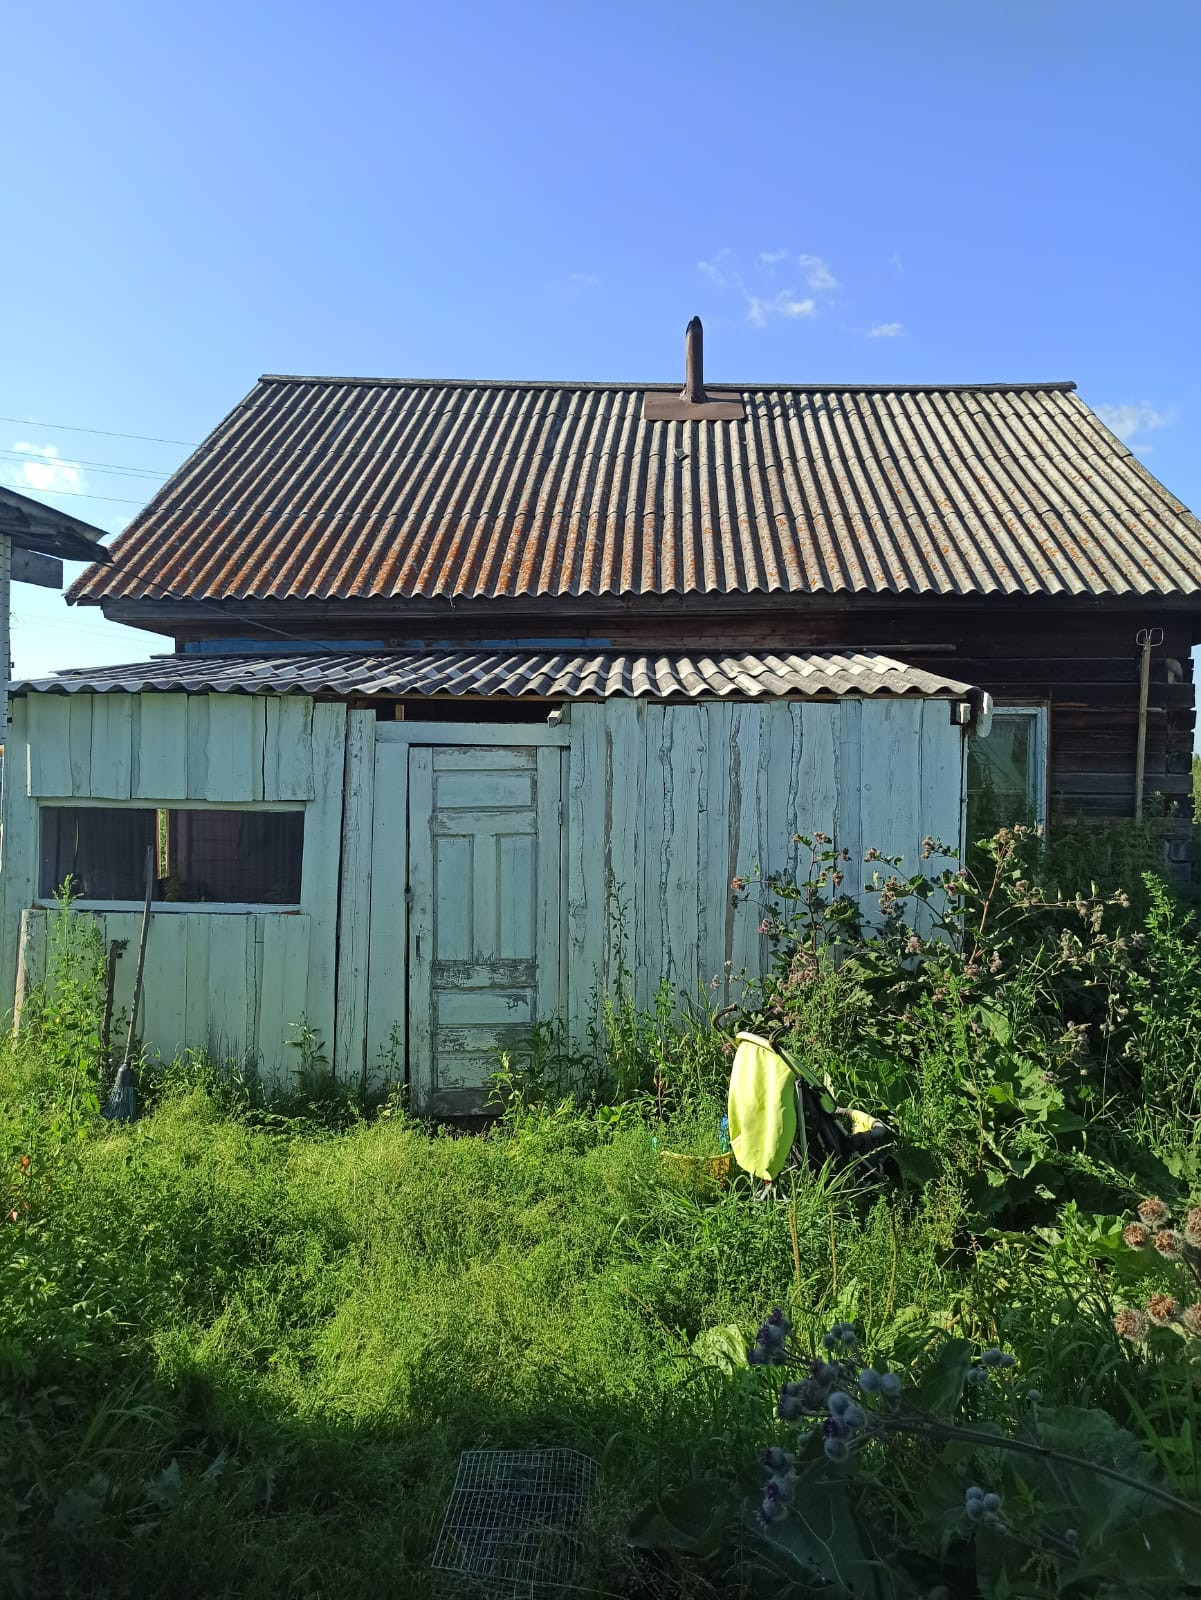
{"x":243,"y":1344}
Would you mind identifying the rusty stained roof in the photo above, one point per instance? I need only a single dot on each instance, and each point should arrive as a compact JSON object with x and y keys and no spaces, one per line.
{"x":541,"y":673}
{"x":345,"y":489}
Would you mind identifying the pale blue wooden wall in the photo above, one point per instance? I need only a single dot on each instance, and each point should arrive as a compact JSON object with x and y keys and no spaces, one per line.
{"x":663,"y":805}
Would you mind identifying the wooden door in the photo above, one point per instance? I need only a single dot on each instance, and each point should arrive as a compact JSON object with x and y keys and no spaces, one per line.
{"x":484,"y":885}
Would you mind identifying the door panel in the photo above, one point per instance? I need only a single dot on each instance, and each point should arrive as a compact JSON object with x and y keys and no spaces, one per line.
{"x":484,"y":880}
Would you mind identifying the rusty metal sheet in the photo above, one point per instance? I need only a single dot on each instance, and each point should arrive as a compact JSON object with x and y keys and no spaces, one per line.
{"x":339,"y":489}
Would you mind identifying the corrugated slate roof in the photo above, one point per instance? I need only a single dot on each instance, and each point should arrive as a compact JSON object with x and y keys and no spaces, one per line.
{"x":343,"y":489}
{"x":542,"y":673}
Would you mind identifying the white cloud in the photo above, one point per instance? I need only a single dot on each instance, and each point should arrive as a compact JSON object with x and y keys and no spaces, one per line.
{"x":772,"y":258}
{"x":884,"y":330}
{"x":817,"y":273}
{"x":897,"y":264}
{"x":784,"y":304}
{"x":722,"y":271}
{"x":583,"y":280}
{"x":1129,"y":421}
{"x":44,"y":470}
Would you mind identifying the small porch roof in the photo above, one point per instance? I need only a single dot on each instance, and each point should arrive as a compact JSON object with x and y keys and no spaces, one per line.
{"x":541,"y":674}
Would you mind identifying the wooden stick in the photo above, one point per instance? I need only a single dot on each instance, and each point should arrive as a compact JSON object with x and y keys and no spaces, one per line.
{"x":151,"y":851}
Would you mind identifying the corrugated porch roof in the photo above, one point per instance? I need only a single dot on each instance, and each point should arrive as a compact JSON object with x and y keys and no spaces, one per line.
{"x":545,"y":674}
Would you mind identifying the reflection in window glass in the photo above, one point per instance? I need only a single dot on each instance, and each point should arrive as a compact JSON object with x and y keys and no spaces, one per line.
{"x":233,"y":857}
{"x":1004,"y":775}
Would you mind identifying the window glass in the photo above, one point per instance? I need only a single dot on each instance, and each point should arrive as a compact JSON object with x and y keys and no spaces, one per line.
{"x":234,"y":857}
{"x":1004,"y":774}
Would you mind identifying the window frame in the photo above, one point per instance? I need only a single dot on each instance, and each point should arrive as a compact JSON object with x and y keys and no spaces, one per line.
{"x":1039,"y":785}
{"x":177,"y":907}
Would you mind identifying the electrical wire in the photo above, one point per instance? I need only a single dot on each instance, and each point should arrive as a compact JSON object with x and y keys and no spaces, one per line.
{"x":78,"y":494}
{"x":70,"y":427}
{"x":77,"y":461}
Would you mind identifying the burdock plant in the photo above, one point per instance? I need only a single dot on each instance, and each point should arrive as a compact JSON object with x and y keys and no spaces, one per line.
{"x":1154,"y":1231}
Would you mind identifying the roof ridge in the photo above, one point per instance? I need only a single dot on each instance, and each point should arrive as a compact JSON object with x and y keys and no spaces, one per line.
{"x":1060,"y":385}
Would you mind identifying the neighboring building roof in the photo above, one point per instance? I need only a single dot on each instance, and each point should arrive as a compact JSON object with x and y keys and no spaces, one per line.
{"x":34,"y":526}
{"x":331,"y":489}
{"x":542,"y":673}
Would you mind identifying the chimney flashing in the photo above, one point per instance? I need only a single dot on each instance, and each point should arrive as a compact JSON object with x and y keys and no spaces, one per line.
{"x":693,"y":403}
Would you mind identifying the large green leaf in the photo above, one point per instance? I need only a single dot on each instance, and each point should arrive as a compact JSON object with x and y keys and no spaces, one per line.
{"x":939,"y":1389}
{"x":692,"y":1521}
{"x":825,"y":1537}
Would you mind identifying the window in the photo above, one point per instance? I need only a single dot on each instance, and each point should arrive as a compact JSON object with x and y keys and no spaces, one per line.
{"x":1007,"y":772}
{"x":231,"y":857}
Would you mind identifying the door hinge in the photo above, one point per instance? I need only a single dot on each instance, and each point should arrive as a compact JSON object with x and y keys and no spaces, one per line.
{"x":559,"y":809}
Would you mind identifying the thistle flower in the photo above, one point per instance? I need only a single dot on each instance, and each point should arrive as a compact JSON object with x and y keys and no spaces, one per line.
{"x":775,"y":1458}
{"x":771,"y":1507}
{"x":1162,"y":1309}
{"x":1131,"y":1324}
{"x":1190,"y":1320}
{"x":1169,"y":1244}
{"x":991,"y":1504}
{"x":913,"y":945}
{"x":1153,"y":1212}
{"x":991,"y":1358}
{"x":870,"y":1381}
{"x":838,"y":1403}
{"x":854,"y":1417}
{"x":1034,"y":1396}
{"x":973,"y":1502}
{"x":975,"y":1376}
{"x":789,"y":1407}
{"x":737,"y":884}
{"x":1136,"y":1236}
{"x":837,"y":1449}
{"x":1192,"y":1228}
{"x":890,"y":1384}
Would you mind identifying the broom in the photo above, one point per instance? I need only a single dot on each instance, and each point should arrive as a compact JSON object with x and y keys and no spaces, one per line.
{"x":122,"y":1103}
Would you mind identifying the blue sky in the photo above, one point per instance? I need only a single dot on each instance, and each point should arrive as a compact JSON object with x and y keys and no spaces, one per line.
{"x":875,"y":192}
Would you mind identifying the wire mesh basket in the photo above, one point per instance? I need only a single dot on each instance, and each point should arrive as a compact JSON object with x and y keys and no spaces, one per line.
{"x":512,"y":1525}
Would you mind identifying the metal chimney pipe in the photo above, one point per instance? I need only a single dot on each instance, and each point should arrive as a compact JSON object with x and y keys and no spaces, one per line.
{"x":694,"y":362}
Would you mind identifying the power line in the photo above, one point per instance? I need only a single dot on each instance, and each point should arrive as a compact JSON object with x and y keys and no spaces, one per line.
{"x":107,"y":433}
{"x":77,"y":461}
{"x":80,"y":494}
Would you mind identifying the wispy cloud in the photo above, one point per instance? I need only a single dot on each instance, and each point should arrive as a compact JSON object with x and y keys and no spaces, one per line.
{"x":896,"y":262}
{"x":1131,"y":422}
{"x":757,"y":285}
{"x":575,"y":283}
{"x":43,"y":469}
{"x":785,"y":304}
{"x":817,"y":273}
{"x":885,"y":330}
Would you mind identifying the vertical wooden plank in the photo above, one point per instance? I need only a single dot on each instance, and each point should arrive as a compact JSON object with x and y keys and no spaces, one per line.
{"x":165,"y":984}
{"x":31,"y":958}
{"x":386,"y":998}
{"x":282,"y":1008}
{"x":748,"y":759}
{"x":236,"y":738}
{"x":421,"y":926}
{"x":678,"y":896}
{"x":112,"y":746}
{"x":848,"y":821}
{"x":288,"y":747}
{"x":19,"y":846}
{"x":320,"y":866}
{"x":198,"y":993}
{"x":198,"y":745}
{"x":548,"y":885}
{"x":49,"y":725}
{"x":625,"y":831}
{"x":80,"y":740}
{"x":354,"y":908}
{"x":719,"y":845}
{"x":588,"y":824}
{"x":231,"y":971}
{"x":648,"y":910}
{"x":160,"y":768}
